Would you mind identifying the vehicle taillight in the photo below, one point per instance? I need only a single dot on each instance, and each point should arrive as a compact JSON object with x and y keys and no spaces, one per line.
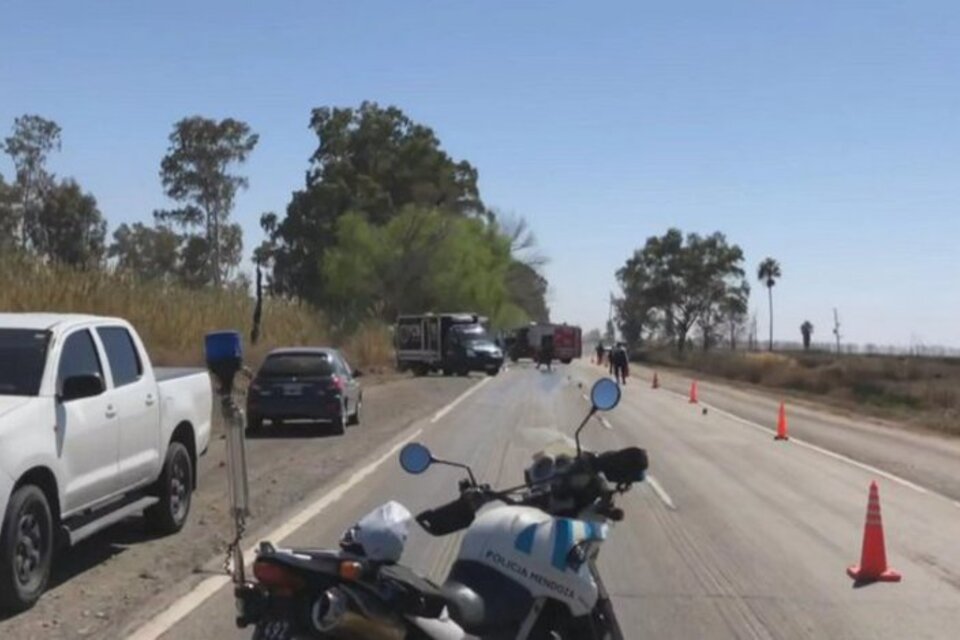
{"x":337,"y":383}
{"x":277,"y":577}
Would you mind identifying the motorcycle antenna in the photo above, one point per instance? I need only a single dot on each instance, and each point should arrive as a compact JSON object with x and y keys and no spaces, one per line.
{"x":576,"y":435}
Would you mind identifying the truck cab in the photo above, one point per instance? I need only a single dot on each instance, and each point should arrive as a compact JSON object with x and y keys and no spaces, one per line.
{"x":453,"y":343}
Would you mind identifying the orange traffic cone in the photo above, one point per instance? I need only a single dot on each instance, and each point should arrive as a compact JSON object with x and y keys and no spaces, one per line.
{"x":656,"y":381}
{"x":782,"y":424}
{"x":693,"y":393}
{"x":873,"y":559}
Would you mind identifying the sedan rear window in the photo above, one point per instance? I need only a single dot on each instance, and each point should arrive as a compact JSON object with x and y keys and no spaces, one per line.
{"x":296,"y":365}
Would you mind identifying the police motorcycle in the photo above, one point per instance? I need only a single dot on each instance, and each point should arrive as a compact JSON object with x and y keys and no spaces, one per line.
{"x":526,"y":567}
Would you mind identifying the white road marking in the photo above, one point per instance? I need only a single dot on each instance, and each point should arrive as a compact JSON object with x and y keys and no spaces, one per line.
{"x":206,"y":589}
{"x":831,"y":454}
{"x":661,"y":493}
{"x":463,"y":396}
{"x":606,"y":423}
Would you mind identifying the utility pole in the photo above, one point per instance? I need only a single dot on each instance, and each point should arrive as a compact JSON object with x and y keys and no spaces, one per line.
{"x":836,"y":328}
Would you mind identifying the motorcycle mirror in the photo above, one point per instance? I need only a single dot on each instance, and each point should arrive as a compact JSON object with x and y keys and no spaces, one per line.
{"x":605,"y":394}
{"x":415,"y":458}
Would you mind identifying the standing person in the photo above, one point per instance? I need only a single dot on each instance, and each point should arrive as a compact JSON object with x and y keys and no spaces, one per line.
{"x":619,"y":363}
{"x":546,"y":352}
{"x":600,"y":351}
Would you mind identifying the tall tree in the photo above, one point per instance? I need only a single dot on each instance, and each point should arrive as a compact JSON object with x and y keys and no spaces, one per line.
{"x":70,"y":228}
{"x":197,"y":173}
{"x":806,"y":329}
{"x":733,"y":310}
{"x":29,"y":146}
{"x":9,"y":215}
{"x":372,"y":161}
{"x":682,"y":281}
{"x":767,"y":273}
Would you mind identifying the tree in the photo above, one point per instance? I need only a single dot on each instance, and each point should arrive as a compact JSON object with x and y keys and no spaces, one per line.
{"x":767,"y":273}
{"x":32,"y":141}
{"x":9,"y":216}
{"x":807,"y":330}
{"x":150,"y":253}
{"x":372,"y":161}
{"x":70,"y":228}
{"x":733,"y":309}
{"x":196,"y":172}
{"x":423,"y":259}
{"x":680,"y":282}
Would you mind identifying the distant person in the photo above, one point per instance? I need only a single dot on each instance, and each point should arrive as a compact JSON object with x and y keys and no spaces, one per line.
{"x":600,"y":351}
{"x":620,"y":363}
{"x":545,"y":356}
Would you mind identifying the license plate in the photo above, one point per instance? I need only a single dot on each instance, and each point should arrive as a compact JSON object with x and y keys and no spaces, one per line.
{"x":292,"y":389}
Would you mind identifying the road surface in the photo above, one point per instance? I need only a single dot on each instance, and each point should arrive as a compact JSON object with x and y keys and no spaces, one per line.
{"x":736,"y":536}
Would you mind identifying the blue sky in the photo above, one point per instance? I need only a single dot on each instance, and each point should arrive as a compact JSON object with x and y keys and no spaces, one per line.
{"x":823,"y":133}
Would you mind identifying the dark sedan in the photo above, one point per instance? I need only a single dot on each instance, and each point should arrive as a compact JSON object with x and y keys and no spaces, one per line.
{"x":305,"y":384}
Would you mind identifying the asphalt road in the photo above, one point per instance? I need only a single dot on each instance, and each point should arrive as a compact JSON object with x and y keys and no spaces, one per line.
{"x":737,"y":536}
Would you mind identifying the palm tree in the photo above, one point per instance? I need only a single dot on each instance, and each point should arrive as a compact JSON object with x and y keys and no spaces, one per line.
{"x":807,"y":330}
{"x":767,"y":273}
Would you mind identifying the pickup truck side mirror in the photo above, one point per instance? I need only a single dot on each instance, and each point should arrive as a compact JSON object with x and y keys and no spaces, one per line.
{"x":82,"y":386}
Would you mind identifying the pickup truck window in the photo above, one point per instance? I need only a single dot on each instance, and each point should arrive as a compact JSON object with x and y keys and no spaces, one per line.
{"x":23,"y":354}
{"x":79,"y":357}
{"x":121,"y":354}
{"x":296,"y":364}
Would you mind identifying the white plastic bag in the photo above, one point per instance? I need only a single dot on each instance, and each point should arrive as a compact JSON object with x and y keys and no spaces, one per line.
{"x":382,"y":533}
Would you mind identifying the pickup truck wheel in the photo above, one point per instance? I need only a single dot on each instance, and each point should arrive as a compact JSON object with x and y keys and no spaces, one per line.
{"x":26,"y":549}
{"x":176,"y":490}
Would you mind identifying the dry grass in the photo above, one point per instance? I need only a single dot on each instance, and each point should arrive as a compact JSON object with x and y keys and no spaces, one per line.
{"x":919,"y":391}
{"x":173,"y":319}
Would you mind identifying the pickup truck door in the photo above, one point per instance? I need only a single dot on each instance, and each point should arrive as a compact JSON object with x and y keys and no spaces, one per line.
{"x":86,"y":429}
{"x":138,"y":407}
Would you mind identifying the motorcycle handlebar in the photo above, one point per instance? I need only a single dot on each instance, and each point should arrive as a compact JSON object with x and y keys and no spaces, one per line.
{"x":579,"y":483}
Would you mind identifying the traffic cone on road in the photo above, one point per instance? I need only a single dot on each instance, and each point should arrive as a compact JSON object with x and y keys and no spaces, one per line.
{"x":693,"y":393}
{"x":873,"y":558}
{"x":656,"y":381}
{"x":782,"y":424}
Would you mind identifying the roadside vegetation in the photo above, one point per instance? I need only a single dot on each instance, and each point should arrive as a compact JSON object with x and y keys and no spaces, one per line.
{"x":684,"y":302}
{"x":171,"y":318}
{"x":917,"y":391}
{"x":386,"y":223}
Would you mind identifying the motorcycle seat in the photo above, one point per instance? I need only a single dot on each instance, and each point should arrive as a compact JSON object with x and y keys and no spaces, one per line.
{"x":418,"y":595}
{"x":483,"y":601}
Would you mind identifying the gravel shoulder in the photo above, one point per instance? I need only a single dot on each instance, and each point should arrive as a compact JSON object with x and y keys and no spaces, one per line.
{"x":104,"y":583}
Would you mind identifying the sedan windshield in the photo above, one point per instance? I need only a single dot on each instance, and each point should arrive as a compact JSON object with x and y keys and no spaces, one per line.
{"x":302,"y":365}
{"x":23,"y":354}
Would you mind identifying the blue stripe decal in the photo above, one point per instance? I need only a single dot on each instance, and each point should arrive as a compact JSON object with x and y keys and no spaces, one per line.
{"x":594,"y":531}
{"x":563,"y":543}
{"x":524,"y":542}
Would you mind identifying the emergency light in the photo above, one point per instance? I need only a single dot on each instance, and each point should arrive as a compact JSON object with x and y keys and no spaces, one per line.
{"x":224,"y":355}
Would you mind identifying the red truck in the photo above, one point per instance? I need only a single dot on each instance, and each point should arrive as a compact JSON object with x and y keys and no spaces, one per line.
{"x":526,"y":342}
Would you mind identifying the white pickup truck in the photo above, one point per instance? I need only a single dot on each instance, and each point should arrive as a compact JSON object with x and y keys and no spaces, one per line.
{"x":90,"y":434}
